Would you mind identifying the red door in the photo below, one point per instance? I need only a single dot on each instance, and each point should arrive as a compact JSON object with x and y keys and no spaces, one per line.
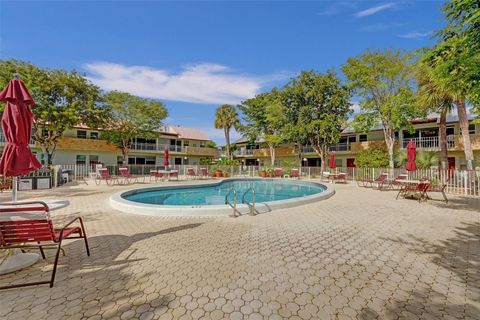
{"x":350,"y":163}
{"x":451,"y":163}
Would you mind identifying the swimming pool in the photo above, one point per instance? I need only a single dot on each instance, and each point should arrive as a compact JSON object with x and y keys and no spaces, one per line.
{"x":209,"y":198}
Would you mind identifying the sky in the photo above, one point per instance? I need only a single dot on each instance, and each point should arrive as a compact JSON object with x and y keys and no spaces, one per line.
{"x":197,"y":55}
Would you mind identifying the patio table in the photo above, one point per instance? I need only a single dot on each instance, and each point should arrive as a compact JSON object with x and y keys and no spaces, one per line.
{"x":405,"y":183}
{"x":19,"y":260}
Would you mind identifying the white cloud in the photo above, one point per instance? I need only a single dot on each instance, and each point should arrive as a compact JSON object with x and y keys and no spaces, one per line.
{"x":198,"y":83}
{"x":355,"y":107}
{"x":336,"y":8}
{"x":380,"y":27}
{"x":415,"y":35}
{"x":374,"y":10}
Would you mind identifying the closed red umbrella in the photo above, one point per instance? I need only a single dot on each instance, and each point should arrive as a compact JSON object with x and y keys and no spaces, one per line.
{"x":17,"y":158}
{"x":411,"y":156}
{"x":165,"y":157}
{"x":331,"y":163}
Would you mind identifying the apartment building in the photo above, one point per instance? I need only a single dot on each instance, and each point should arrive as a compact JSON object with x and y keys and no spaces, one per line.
{"x":426,"y":136}
{"x":84,"y":145}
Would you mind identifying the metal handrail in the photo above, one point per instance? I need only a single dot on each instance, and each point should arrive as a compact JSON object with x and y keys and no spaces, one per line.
{"x":234,"y":206}
{"x":251,"y":205}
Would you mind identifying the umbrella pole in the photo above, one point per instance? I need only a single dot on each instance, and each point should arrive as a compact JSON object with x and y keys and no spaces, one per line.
{"x":14,"y":189}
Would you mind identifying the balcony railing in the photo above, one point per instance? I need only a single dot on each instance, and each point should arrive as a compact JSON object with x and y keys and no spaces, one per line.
{"x":243,"y":152}
{"x":429,"y":142}
{"x":141,"y":146}
{"x":338,"y":147}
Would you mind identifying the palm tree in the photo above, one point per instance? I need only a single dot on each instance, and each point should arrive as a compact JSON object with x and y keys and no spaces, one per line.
{"x":226,"y":118}
{"x":446,"y":75}
{"x":431,"y":95}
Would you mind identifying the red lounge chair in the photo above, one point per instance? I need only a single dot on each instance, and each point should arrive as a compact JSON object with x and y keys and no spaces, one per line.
{"x":294,"y":173}
{"x":173,"y":174}
{"x":396,"y":183}
{"x":341,"y":177}
{"x":379,"y":181}
{"x":103,"y":174}
{"x":29,"y":227}
{"x":155,"y":174}
{"x":278,"y":172}
{"x":191,"y":173}
{"x":204,"y":172}
{"x":129,"y":178}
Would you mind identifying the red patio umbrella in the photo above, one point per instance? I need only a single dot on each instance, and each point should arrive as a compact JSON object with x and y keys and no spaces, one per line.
{"x":17,"y":158}
{"x":331,"y":163}
{"x":165,"y":157}
{"x":411,"y":156}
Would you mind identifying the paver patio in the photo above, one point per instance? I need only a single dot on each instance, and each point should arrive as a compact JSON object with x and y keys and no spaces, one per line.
{"x":357,"y":255}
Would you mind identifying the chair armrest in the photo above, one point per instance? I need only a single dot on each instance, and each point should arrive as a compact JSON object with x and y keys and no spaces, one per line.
{"x":68,"y":224}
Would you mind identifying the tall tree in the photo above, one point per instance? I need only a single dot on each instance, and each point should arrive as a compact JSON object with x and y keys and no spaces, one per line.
{"x":455,"y":62}
{"x":131,"y":117}
{"x":384,"y":82}
{"x":226,"y":118}
{"x":264,"y":117}
{"x":63,"y":99}
{"x":322,"y":104}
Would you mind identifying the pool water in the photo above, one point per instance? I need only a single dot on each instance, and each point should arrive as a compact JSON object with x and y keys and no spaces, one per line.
{"x":266,"y":190}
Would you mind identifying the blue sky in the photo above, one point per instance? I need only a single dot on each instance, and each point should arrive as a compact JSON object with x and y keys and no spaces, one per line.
{"x":196,"y":55}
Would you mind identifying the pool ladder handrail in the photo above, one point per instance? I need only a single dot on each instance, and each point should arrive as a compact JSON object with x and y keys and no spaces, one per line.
{"x":250,"y":205}
{"x":234,"y":205}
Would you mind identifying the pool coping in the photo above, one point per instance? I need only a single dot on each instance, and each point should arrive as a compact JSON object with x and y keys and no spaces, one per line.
{"x":127,"y":206}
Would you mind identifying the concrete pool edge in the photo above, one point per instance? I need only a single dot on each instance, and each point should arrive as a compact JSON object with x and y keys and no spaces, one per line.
{"x":119,"y":203}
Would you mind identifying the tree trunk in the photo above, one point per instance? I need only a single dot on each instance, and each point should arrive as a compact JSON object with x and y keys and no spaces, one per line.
{"x":227,"y":142}
{"x":272,"y":155}
{"x":390,"y":142}
{"x":443,"y":140}
{"x":463,"y":121}
{"x":125,"y":156}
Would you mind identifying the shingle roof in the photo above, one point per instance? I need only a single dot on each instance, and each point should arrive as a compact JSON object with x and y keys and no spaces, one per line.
{"x":189,"y":133}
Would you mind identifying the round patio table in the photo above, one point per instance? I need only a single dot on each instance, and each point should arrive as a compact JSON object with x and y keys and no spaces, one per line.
{"x":14,"y":260}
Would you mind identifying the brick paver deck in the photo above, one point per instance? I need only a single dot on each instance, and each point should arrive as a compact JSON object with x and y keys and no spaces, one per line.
{"x":358,"y":255}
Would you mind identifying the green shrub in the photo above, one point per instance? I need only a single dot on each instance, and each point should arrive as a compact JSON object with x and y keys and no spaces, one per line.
{"x":374,"y":158}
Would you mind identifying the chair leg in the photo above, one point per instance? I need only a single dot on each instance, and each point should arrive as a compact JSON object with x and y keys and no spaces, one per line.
{"x":55,"y":264}
{"x":42,"y":252}
{"x":444,"y":196}
{"x":84,"y":236}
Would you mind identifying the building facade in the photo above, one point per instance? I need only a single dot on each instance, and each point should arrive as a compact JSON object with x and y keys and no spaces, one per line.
{"x":85,"y":146}
{"x":351,"y":144}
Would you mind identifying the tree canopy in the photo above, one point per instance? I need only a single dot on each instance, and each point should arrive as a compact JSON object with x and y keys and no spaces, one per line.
{"x":383,"y":81}
{"x":63,"y":99}
{"x":226,"y":118}
{"x":317,"y":106}
{"x":129,"y":117}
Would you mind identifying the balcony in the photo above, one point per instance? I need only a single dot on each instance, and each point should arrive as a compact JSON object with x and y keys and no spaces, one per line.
{"x":430,"y":143}
{"x":202,"y":151}
{"x":338,"y":147}
{"x":243,"y":152}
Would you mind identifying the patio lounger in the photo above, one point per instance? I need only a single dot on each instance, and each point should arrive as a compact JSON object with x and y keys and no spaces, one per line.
{"x":103,"y":174}
{"x":155,"y":174}
{"x":325,"y":175}
{"x":379,"y":181}
{"x":395,"y":183}
{"x":341,"y":177}
{"x":294,"y":174}
{"x":191,"y":173}
{"x":129,"y":178}
{"x":204,"y":172}
{"x":27,"y":225}
{"x":278,"y":172}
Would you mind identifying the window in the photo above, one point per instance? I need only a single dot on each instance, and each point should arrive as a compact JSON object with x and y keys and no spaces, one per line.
{"x":119,"y":160}
{"x":471,"y":128}
{"x":202,"y":144}
{"x":81,"y":159}
{"x":141,"y":160}
{"x":93,"y":159}
{"x":362,"y":137}
{"x":94,"y":135}
{"x":81,"y":134}
{"x":149,"y":160}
